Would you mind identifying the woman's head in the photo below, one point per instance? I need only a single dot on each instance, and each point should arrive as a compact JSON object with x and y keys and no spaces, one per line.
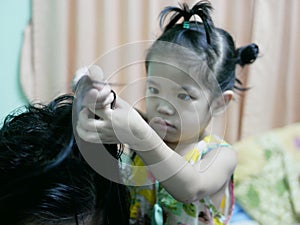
{"x":201,"y":49}
{"x":44,"y":178}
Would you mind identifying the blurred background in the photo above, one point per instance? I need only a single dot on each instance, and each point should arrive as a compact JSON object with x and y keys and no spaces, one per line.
{"x":14,"y":18}
{"x":44,"y":42}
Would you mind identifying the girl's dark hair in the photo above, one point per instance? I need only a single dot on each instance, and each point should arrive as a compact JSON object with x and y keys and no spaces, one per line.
{"x":209,"y":44}
{"x":44,"y":178}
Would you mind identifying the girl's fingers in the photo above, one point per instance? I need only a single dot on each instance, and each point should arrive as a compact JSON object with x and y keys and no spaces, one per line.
{"x":105,"y":98}
{"x":88,"y":136}
{"x":96,"y":73}
{"x":78,"y":75}
{"x":98,"y":99}
{"x":89,"y":86}
{"x":93,"y":130}
{"x":91,"y":89}
{"x":95,"y":137}
{"x":87,"y":123}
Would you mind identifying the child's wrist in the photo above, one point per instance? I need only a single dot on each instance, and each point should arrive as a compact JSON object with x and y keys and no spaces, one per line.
{"x":145,"y":139}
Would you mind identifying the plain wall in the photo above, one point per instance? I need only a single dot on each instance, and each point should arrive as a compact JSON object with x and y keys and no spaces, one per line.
{"x":14,"y":17}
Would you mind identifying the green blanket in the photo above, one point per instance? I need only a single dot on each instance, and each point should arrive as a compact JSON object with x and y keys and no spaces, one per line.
{"x":267,"y":178}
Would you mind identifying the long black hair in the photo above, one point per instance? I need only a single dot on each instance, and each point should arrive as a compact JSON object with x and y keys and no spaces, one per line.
{"x":44,"y":178}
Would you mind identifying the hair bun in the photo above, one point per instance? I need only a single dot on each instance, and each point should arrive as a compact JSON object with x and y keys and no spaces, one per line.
{"x":247,"y":54}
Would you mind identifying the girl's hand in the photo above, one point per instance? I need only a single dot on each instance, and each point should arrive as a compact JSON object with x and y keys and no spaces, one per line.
{"x":122,"y":124}
{"x":91,"y":93}
{"x":89,"y":84}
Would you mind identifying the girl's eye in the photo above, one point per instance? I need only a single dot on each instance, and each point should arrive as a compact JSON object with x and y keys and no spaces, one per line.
{"x":153,"y":90}
{"x":184,"y":97}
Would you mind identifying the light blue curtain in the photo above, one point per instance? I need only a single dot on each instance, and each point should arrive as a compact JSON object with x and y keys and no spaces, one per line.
{"x":14,"y":17}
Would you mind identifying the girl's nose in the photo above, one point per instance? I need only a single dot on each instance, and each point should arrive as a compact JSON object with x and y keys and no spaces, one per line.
{"x":165,"y":107}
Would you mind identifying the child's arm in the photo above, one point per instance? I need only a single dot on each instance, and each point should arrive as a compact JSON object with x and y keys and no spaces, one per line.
{"x":183,"y":181}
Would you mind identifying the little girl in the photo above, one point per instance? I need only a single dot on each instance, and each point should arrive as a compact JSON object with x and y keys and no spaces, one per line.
{"x":190,"y":78}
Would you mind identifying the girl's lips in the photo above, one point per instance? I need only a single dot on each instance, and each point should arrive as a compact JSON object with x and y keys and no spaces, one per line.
{"x":161,"y":122}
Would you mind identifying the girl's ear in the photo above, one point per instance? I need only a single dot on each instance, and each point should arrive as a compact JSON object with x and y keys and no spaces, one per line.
{"x":220,"y":103}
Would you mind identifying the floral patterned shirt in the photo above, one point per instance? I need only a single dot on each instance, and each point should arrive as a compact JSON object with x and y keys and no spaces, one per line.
{"x":203,"y":212}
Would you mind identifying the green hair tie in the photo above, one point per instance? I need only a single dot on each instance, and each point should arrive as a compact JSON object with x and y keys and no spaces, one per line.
{"x":186,"y":25}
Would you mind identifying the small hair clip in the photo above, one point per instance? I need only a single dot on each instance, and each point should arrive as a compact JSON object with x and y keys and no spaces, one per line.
{"x":186,"y":25}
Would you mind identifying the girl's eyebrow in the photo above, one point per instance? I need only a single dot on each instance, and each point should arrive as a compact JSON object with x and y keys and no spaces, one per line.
{"x":187,"y":88}
{"x":190,"y":89}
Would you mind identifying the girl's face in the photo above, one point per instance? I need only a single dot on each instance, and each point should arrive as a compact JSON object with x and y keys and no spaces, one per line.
{"x":176,"y":105}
